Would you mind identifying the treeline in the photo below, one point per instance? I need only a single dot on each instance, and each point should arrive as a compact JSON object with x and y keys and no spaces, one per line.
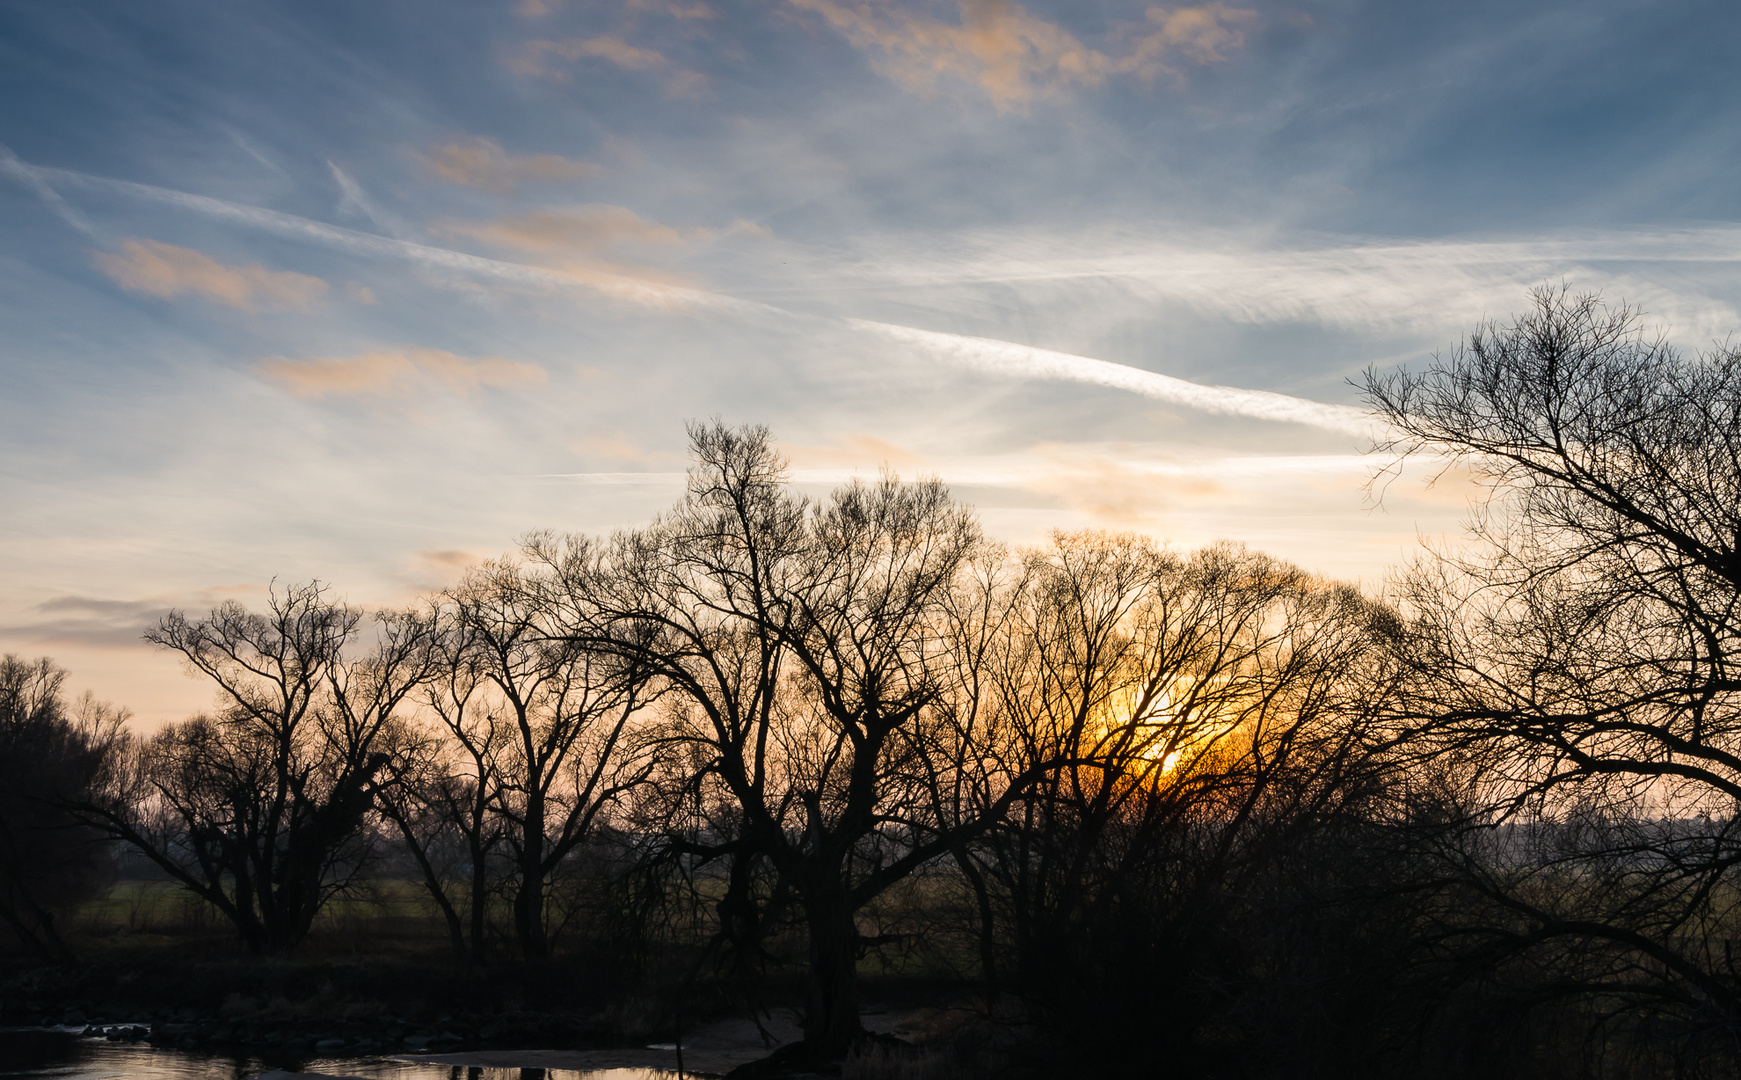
{"x":1201,"y":807}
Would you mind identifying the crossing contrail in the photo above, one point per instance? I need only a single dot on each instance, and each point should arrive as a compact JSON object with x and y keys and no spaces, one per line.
{"x":987,"y":355}
{"x":371,"y":244}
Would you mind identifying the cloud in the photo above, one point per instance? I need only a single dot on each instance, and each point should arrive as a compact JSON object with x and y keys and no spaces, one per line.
{"x":852,"y":450}
{"x":482,"y":163}
{"x":535,"y":56}
{"x":616,"y":446}
{"x":589,"y":228}
{"x":31,"y":178}
{"x":360,"y":293}
{"x":437,"y":568}
{"x":1356,"y":284}
{"x":89,"y":621}
{"x":1116,"y":491}
{"x":1014,"y":56}
{"x":686,"y":84}
{"x":1206,"y":33}
{"x":575,"y":240}
{"x":355,"y":202}
{"x":1011,"y":360}
{"x":395,"y":370}
{"x":676,"y":9}
{"x":582,"y":243}
{"x":448,"y":558}
{"x":167,"y":271}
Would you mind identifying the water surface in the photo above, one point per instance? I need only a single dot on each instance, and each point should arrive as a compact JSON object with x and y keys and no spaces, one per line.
{"x":63,"y":1053}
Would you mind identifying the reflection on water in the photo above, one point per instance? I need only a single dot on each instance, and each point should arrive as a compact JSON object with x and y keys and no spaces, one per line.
{"x":63,"y":1053}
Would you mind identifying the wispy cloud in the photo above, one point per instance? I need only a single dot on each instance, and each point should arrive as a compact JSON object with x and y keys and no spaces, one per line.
{"x":589,"y":228}
{"x":1350,"y":284}
{"x":584,"y":243}
{"x":676,"y":9}
{"x":167,"y":271}
{"x":355,"y":202}
{"x":534,"y":58}
{"x":1014,"y":56}
{"x":395,"y":371}
{"x":1114,"y":491}
{"x":540,"y":58}
{"x":853,"y":449}
{"x":1010,"y":360}
{"x":33,"y":179}
{"x":437,"y":568}
{"x":614,"y":445}
{"x":482,"y":163}
{"x":89,"y":621}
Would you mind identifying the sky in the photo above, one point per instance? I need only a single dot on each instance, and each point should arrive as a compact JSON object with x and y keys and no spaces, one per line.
{"x":366,"y":292}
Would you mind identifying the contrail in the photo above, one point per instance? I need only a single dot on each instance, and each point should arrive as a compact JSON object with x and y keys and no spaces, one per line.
{"x":31,"y":177}
{"x":1026,"y":362}
{"x":1002,"y":358}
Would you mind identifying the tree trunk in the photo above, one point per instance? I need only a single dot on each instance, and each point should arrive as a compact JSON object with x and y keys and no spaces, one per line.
{"x":987,"y":927}
{"x":480,"y":901}
{"x":432,"y":883}
{"x":831,"y":1021}
{"x":42,"y":939}
{"x":529,"y":901}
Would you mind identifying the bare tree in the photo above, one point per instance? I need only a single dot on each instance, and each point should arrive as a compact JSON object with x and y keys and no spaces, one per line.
{"x":802,"y":643}
{"x":1206,"y":712}
{"x":442,"y":796}
{"x":1582,"y":654}
{"x":252,"y":809}
{"x":542,"y":726}
{"x":51,"y":755}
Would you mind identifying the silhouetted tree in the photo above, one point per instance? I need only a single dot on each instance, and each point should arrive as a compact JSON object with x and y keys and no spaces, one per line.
{"x":801,"y":643}
{"x":440,"y":797}
{"x":50,"y":755}
{"x":554,"y":714}
{"x":1582,"y":653}
{"x":252,"y":809}
{"x":1216,"y":712}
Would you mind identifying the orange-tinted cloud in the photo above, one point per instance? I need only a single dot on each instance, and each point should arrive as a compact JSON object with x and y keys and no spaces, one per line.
{"x":1014,"y":56}
{"x":676,"y":9}
{"x":615,"y":446}
{"x":589,"y":228}
{"x":1206,"y":34}
{"x":482,"y":163}
{"x":599,"y":246}
{"x":853,"y":450}
{"x":686,"y":84}
{"x":395,"y":370}
{"x":535,"y":57}
{"x":168,"y":271}
{"x":1113,"y":491}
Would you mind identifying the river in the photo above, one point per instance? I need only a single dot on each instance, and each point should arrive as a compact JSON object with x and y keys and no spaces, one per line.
{"x":63,"y":1053}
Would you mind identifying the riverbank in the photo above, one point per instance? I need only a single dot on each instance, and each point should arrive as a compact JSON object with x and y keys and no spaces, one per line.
{"x":286,"y":1010}
{"x":287,"y":1013}
{"x":710,"y":1050}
